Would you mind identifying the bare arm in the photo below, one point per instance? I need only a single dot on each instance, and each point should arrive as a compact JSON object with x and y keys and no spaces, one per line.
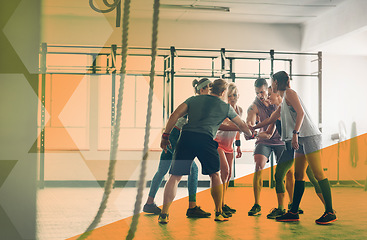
{"x":242,"y":126}
{"x":268,"y":133}
{"x":274,"y":116}
{"x":179,"y":112}
{"x":252,"y":112}
{"x":293,"y":100}
{"x":227,"y":125}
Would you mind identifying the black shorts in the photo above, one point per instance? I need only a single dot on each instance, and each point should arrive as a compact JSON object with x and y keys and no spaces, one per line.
{"x":191,"y":145}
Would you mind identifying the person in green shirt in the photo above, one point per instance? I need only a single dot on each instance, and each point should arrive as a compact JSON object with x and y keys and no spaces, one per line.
{"x":205,"y":115}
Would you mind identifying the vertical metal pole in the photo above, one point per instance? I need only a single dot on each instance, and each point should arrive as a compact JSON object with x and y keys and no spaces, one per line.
{"x":232,"y":75}
{"x":259,"y":68}
{"x":173,"y":50}
{"x":164,"y":89}
{"x":43,"y":102}
{"x":271,"y":156}
{"x":271,"y":62}
{"x":213,"y":67}
{"x":223,"y":61}
{"x":319,"y":54}
{"x":290,"y":68}
{"x":94,"y":66}
{"x":272,"y":170}
{"x":168,"y":87}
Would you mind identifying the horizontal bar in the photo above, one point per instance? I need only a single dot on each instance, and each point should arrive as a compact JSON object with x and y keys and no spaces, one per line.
{"x":297,"y":53}
{"x":245,"y":77}
{"x":247,"y":58}
{"x":188,"y":56}
{"x":183,"y":49}
{"x":202,"y":76}
{"x":89,"y":73}
{"x":243,"y":51}
{"x":304,"y":75}
{"x":197,"y":50}
{"x":74,"y":46}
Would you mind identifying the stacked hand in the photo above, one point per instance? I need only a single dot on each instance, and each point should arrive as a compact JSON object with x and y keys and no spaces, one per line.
{"x":254,"y":133}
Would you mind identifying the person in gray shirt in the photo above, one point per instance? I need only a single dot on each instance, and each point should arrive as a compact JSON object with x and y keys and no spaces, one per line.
{"x":205,"y":115}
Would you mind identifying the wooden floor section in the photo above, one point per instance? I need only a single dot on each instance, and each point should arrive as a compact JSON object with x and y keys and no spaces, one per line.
{"x":350,"y":204}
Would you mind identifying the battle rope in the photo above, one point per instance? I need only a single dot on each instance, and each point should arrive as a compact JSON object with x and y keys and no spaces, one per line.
{"x":141,"y":185}
{"x":116,"y":4}
{"x":116,"y":127}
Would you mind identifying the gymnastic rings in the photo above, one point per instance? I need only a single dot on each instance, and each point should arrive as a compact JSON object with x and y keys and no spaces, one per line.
{"x":116,"y":4}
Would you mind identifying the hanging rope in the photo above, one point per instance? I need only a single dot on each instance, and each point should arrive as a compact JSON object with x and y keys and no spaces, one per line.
{"x":116,"y":4}
{"x":116,"y":128}
{"x":141,"y":185}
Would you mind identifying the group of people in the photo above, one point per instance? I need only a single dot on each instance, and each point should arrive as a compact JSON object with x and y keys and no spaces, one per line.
{"x":206,"y":126}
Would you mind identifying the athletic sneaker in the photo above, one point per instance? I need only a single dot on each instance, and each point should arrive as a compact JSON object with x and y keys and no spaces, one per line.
{"x":226,"y":208}
{"x":151,"y":208}
{"x":276,"y":212}
{"x":228,"y":213}
{"x":326,"y":218}
{"x":300,"y":211}
{"x":255,"y":210}
{"x":163,"y":218}
{"x":220,"y":217}
{"x":197,"y":212}
{"x":288,"y":217}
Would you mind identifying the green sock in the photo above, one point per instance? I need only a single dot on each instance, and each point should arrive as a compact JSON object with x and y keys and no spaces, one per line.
{"x":326,"y":193}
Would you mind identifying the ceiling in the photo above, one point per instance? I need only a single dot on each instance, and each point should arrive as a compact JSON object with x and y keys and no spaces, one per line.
{"x":255,"y":11}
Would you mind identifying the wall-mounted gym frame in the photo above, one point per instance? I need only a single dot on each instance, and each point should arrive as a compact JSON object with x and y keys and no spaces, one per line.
{"x":169,"y":56}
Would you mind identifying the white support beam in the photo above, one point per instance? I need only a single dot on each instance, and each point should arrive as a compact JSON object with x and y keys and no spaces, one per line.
{"x":349,"y":17}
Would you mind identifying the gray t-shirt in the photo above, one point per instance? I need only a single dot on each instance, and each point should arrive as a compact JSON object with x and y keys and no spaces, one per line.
{"x":206,"y":113}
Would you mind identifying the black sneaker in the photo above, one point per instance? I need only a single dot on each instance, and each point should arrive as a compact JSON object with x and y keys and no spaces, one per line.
{"x":163,"y":218}
{"x":228,"y":213}
{"x":300,"y":211}
{"x":275,"y":212}
{"x":326,"y":218}
{"x":197,"y":212}
{"x":255,"y":210}
{"x":288,"y":217}
{"x":226,"y":208}
{"x":151,"y":208}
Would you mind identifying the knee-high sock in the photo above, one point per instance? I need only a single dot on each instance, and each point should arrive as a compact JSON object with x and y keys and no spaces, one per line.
{"x":299,"y":188}
{"x":326,"y":193}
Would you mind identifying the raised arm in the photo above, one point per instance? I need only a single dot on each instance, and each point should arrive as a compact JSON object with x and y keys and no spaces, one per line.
{"x":273,"y":117}
{"x":268,"y":133}
{"x":179,"y":112}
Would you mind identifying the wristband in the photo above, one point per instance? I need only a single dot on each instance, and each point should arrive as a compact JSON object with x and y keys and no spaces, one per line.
{"x":237,"y":143}
{"x":165,"y":136}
